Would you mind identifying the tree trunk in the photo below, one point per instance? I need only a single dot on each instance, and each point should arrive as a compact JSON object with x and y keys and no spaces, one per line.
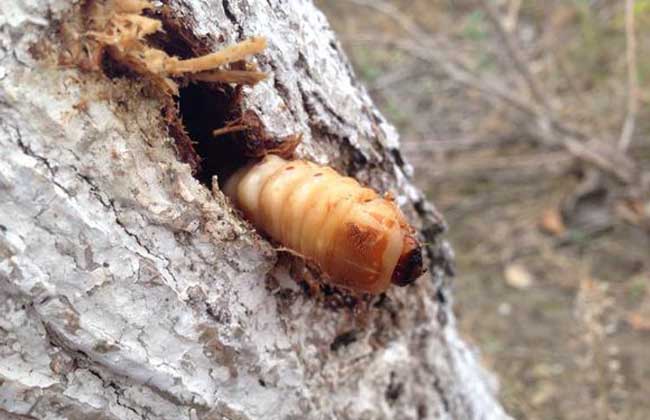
{"x":128,"y":289}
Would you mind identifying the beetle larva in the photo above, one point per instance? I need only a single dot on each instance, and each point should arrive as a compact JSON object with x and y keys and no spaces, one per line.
{"x":361,"y":240}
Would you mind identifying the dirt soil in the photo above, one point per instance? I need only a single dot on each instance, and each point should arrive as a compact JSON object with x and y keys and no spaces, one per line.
{"x":553,"y":283}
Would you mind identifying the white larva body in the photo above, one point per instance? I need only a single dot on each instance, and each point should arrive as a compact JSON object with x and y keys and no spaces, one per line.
{"x":356,"y":236}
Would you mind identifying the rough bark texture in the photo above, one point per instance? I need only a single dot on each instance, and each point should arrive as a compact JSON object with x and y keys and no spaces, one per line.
{"x":129,"y":290}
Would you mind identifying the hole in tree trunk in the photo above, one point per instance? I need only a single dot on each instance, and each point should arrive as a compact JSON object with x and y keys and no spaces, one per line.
{"x":204,"y":108}
{"x":198,"y":110}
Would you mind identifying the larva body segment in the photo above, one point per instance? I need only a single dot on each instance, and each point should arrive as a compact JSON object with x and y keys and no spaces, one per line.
{"x":361,"y":240}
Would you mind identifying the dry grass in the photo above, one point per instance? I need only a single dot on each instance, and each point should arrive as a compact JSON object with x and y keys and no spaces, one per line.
{"x":569,"y":342}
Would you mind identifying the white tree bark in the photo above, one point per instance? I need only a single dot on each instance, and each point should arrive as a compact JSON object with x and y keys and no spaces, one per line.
{"x":128,"y":290}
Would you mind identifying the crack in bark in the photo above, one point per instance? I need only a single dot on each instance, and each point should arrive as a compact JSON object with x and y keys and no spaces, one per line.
{"x":29,"y":152}
{"x":110,"y":205}
{"x":303,"y":66}
{"x":94,"y":190}
{"x":442,"y":394}
{"x":119,"y":393}
{"x":85,"y":361}
{"x":284,"y":92}
{"x":227,"y":9}
{"x":12,"y":416}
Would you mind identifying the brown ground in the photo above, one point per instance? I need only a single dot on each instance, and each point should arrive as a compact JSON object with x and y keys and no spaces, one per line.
{"x":553,"y":256}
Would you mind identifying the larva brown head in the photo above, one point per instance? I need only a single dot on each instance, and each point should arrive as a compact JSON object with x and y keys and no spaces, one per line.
{"x":409,"y":266}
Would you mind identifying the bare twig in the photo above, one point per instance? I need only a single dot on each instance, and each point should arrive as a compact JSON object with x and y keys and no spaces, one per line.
{"x":395,"y":14}
{"x":425,"y":47}
{"x":241,"y":77}
{"x":515,"y":55}
{"x":454,"y":70}
{"x":554,"y":162}
{"x":436,"y":144}
{"x":632,"y":78}
{"x":513,"y":15}
{"x":229,"y":129}
{"x":549,"y":129}
{"x":399,"y":76}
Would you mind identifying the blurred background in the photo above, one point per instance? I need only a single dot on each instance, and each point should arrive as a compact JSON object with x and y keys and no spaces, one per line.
{"x":527,"y":124}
